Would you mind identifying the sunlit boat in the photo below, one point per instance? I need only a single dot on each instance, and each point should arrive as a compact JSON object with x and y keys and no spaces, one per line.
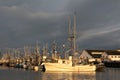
{"x":67,"y":65}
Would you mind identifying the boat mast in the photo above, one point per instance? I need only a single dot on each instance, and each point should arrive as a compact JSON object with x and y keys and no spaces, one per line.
{"x":74,"y":34}
{"x":54,"y":50}
{"x":37,"y":48}
{"x":69,"y":30}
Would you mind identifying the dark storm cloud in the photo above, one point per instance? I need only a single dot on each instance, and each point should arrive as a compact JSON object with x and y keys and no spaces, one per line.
{"x":98,"y":23}
{"x":23,"y":22}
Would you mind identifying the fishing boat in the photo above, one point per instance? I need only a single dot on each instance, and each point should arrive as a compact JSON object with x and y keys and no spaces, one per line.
{"x":70,"y":63}
{"x":67,"y":65}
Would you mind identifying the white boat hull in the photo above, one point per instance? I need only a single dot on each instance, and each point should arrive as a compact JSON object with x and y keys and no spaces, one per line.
{"x":65,"y":67}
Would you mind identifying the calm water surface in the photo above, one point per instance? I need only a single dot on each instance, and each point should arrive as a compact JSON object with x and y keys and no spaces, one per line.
{"x":20,"y":74}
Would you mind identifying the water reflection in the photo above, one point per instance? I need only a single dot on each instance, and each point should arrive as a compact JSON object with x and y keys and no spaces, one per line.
{"x":109,"y":74}
{"x":20,"y":74}
{"x":69,"y":76}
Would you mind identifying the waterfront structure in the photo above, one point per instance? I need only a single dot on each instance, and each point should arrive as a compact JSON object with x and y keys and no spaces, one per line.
{"x":111,"y":55}
{"x":100,"y":55}
{"x":111,"y":58}
{"x":92,"y":55}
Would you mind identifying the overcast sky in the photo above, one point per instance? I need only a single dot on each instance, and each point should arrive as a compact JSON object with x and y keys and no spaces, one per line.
{"x":23,"y":22}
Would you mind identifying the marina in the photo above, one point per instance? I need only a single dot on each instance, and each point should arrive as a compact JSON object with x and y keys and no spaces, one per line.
{"x":67,"y":59}
{"x":36,"y":61}
{"x":59,"y":40}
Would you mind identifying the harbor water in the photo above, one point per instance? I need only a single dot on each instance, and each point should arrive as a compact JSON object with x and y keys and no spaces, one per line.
{"x":21,"y":74}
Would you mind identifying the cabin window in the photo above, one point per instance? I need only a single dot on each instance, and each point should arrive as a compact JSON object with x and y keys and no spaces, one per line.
{"x":111,"y":56}
{"x":63,"y":61}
